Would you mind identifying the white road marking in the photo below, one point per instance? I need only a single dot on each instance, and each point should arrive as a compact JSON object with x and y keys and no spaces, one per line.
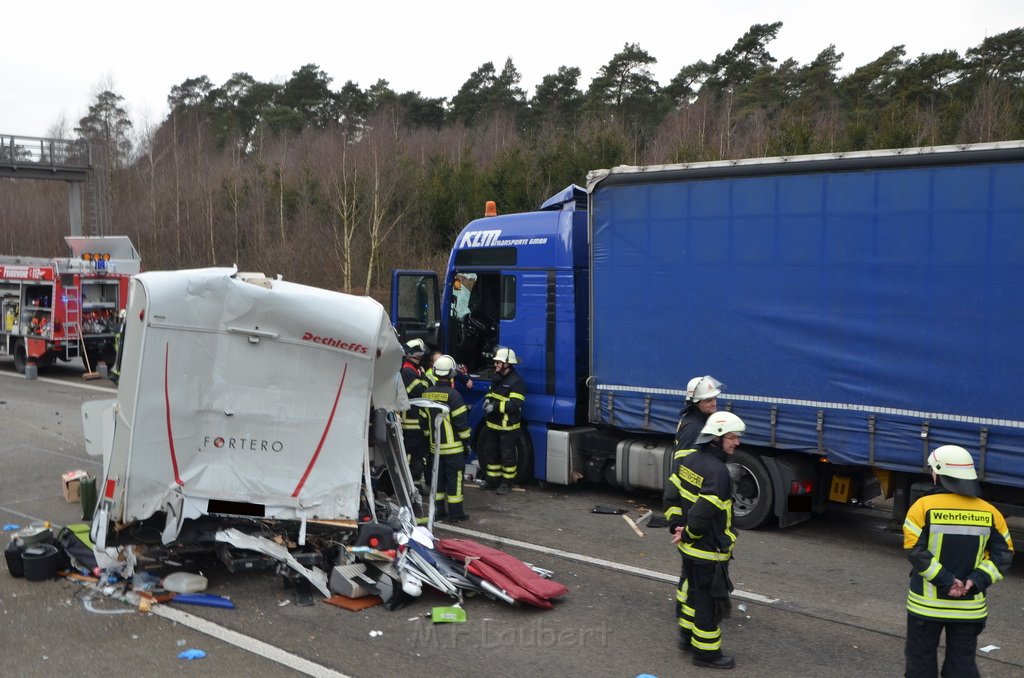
{"x":247,"y":643}
{"x":598,"y":562}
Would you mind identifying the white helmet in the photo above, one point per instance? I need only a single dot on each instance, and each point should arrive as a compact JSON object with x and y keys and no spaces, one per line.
{"x":955,"y":468}
{"x":702,"y":388}
{"x":415,"y":347}
{"x":444,"y":366}
{"x":506,"y":355}
{"x":720,"y":423}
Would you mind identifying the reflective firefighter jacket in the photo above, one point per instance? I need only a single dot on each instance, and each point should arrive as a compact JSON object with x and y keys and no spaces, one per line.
{"x":954,"y":536}
{"x":415,"y":382}
{"x":455,"y":431}
{"x":691,"y":421}
{"x":505,"y":401}
{"x":703,"y":505}
{"x":690,"y":424}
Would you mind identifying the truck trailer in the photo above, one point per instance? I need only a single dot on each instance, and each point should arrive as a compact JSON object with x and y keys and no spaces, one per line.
{"x":64,"y":308}
{"x":862,"y":308}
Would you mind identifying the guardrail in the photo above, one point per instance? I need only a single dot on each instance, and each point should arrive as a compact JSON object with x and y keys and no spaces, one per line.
{"x":39,"y":153}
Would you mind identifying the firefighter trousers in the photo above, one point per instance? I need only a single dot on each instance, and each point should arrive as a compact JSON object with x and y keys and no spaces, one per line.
{"x":451,"y":469}
{"x":499,"y":455}
{"x":417,"y":451}
{"x":705,"y":633}
{"x":922,"y":648}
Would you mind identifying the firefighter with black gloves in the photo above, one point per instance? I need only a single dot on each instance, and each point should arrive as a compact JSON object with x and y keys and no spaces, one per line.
{"x":413,"y":377}
{"x":452,"y":443}
{"x":958,"y":546}
{"x":503,"y":418}
{"x":701,"y":527}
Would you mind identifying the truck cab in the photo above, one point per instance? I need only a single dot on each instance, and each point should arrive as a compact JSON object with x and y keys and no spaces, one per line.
{"x":520,"y":281}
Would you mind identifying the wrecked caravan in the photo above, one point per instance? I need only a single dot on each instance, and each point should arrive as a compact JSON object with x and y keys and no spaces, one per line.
{"x":241,"y":395}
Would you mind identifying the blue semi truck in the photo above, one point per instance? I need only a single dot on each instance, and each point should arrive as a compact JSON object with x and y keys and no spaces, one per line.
{"x":862,"y":309}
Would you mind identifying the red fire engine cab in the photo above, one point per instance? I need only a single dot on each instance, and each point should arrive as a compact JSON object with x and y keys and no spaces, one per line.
{"x":66,"y":308}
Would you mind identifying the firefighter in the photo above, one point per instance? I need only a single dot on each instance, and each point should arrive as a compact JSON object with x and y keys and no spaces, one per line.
{"x":702,"y":530}
{"x":461,"y":375}
{"x":453,"y":441}
{"x":958,"y":545}
{"x":503,"y":418}
{"x":701,"y":401}
{"x":416,"y":448}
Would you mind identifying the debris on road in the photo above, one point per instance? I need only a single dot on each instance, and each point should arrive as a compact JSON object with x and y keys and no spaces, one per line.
{"x":632,"y":525}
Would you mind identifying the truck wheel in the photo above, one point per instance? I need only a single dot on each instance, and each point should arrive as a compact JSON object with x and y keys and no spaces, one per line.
{"x":20,"y":357}
{"x":524,"y":458}
{"x":752,"y":491}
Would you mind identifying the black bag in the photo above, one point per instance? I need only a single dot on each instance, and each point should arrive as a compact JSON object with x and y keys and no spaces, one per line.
{"x":74,"y":540}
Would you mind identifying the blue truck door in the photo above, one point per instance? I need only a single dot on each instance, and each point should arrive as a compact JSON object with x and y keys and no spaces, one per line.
{"x":415,"y":305}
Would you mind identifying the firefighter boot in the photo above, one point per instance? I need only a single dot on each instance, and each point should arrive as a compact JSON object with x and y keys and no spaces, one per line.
{"x":716,"y":662}
{"x":684,"y":642}
{"x":504,"y":488}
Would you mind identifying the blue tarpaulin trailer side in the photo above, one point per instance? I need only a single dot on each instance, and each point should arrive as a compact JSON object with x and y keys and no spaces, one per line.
{"x":869,"y":306}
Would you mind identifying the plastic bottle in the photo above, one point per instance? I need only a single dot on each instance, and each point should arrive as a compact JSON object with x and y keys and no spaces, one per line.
{"x":185,"y":582}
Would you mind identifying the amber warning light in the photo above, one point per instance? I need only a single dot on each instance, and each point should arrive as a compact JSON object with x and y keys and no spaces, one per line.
{"x":490,"y":209}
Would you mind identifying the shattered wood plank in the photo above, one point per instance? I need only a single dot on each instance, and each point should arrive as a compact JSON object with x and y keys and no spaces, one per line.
{"x":639,"y":532}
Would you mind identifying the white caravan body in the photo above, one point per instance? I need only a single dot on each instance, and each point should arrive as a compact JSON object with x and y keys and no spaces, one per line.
{"x":235,"y":388}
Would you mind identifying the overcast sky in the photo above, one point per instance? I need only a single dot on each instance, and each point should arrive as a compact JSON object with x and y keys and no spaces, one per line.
{"x":57,"y":55}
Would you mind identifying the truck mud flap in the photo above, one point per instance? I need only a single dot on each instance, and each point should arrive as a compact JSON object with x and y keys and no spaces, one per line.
{"x":784,"y":470}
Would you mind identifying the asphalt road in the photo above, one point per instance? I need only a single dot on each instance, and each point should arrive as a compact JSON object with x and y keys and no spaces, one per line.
{"x":825,"y":598}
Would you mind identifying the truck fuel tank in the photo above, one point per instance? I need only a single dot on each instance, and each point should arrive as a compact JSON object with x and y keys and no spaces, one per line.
{"x":640,"y":463}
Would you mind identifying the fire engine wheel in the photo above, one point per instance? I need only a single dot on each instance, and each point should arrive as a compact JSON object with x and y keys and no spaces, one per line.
{"x":20,"y":356}
{"x":752,"y":493}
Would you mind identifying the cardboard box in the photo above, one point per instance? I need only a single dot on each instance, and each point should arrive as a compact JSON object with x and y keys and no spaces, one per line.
{"x":72,"y":486}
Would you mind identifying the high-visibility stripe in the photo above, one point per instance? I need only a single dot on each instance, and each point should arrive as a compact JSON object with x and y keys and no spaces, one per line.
{"x":953,"y":608}
{"x":683,"y":492}
{"x":500,"y":427}
{"x":989,"y":568}
{"x":717,"y":502}
{"x":932,"y":570}
{"x":701,"y":554}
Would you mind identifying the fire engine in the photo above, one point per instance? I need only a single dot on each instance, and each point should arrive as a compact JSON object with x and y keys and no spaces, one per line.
{"x":66,"y":308}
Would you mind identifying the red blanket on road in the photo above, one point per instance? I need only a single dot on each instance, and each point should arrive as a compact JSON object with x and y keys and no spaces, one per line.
{"x":504,"y":571}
